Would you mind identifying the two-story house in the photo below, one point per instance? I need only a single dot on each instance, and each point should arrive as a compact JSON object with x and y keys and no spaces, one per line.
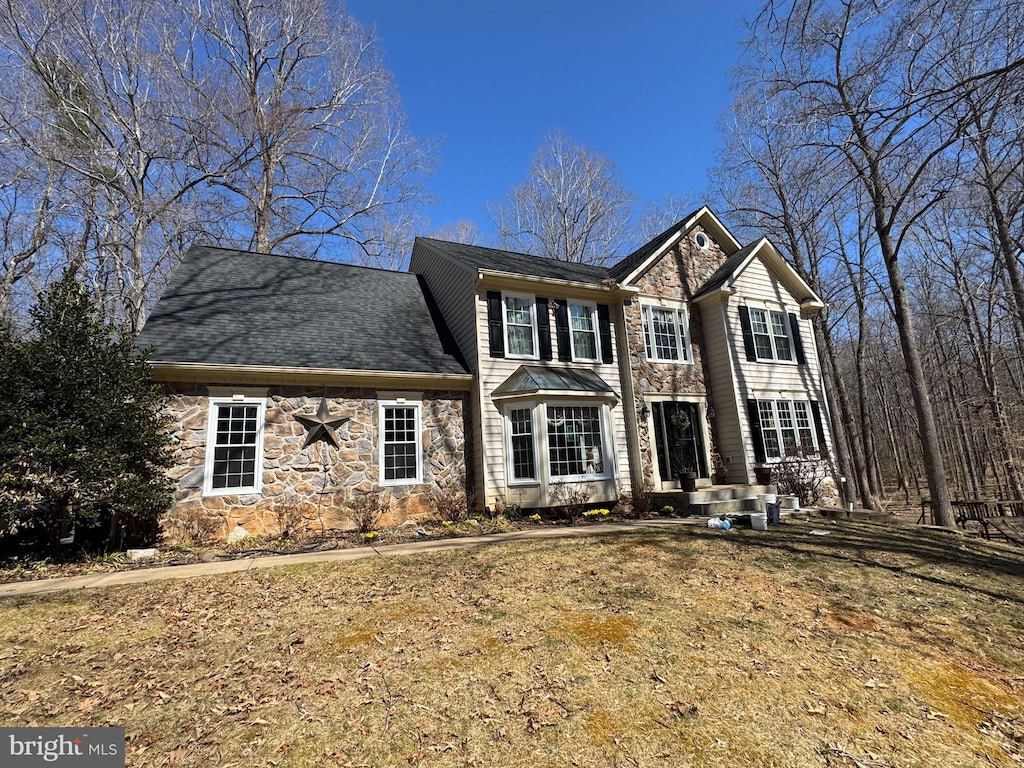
{"x":538,"y":336}
{"x":519,"y":375}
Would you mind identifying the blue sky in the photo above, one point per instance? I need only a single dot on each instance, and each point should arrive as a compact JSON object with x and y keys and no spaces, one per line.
{"x":643,"y":83}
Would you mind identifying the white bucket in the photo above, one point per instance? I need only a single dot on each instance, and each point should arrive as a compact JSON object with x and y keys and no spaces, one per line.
{"x":759,"y":521}
{"x":790,"y":502}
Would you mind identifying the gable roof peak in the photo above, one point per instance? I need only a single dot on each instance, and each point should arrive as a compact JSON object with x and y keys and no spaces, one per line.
{"x":636,"y":263}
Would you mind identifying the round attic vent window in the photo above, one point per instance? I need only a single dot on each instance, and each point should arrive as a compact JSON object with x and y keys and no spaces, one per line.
{"x":701,"y":240}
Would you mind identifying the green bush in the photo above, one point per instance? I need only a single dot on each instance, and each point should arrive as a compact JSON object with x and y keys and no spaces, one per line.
{"x":83,"y":440}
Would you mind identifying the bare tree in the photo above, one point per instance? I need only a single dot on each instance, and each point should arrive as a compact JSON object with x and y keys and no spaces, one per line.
{"x":93,"y":94}
{"x":868,"y":81}
{"x":137,"y":129}
{"x":298,"y":89}
{"x":658,"y":215}
{"x":462,"y":231}
{"x":571,"y":207}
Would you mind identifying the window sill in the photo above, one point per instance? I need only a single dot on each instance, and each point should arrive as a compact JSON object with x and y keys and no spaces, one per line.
{"x":400,"y":483}
{"x":247,"y":491}
{"x":688,"y":363}
{"x":577,"y":479}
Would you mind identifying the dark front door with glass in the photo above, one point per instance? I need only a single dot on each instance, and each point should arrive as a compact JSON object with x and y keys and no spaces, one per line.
{"x":679,"y":440}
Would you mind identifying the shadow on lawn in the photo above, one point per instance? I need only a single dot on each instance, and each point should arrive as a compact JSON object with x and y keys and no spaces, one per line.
{"x":937,"y":557}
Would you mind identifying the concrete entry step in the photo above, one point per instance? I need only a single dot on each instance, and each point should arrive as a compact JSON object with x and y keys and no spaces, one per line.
{"x":715,"y":500}
{"x":726,"y":507}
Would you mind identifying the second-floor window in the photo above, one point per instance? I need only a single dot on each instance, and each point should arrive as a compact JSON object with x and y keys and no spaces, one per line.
{"x":583,"y":325}
{"x":665,"y":334}
{"x":520,"y":326}
{"x":770,"y":329}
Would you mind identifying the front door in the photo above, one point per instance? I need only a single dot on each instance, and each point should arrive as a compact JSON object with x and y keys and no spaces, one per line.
{"x":679,"y":440}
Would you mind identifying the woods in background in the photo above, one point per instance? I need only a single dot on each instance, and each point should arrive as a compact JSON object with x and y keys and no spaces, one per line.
{"x":130,"y":131}
{"x":880,"y":144}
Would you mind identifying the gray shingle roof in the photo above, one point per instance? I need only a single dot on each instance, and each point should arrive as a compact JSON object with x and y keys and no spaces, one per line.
{"x":621,"y":270}
{"x":724,"y":272}
{"x":233,"y":307}
{"x":478,"y":257}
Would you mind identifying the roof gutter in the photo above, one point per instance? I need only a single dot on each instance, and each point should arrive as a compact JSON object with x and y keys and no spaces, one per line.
{"x":496,"y":278}
{"x":230,"y":374}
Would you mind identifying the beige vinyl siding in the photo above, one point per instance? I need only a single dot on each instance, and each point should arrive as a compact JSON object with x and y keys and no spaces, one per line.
{"x":494,"y":371}
{"x":757,"y":287}
{"x":453,"y":286}
{"x":723,"y":388}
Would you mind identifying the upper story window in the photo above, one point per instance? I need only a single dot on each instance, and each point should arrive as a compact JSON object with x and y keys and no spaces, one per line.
{"x":234,"y":446}
{"x":520,"y":325}
{"x":666,"y":335}
{"x":583,"y":324}
{"x":771,"y":334}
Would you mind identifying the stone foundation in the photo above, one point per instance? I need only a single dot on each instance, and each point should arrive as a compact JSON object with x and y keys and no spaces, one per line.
{"x":297,"y":492}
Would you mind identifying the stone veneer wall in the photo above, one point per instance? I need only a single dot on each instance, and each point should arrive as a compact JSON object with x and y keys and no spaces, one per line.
{"x":293,"y":477}
{"x":678,"y":274}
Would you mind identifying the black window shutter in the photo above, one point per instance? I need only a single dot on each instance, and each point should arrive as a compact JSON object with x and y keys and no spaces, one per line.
{"x":495,"y":324}
{"x":755,"y":430}
{"x":543,"y":328}
{"x":798,"y":343}
{"x":604,"y":324}
{"x":562,"y":329}
{"x":748,"y":335}
{"x":819,"y":428}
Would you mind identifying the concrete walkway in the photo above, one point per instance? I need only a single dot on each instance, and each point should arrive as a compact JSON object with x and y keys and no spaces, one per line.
{"x":142,"y":575}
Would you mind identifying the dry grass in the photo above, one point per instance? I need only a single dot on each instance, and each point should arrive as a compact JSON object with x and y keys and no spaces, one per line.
{"x":871,"y":646}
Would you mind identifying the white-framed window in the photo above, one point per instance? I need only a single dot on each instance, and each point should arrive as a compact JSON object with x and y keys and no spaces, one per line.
{"x":575,"y":442}
{"x":234,"y":445}
{"x":583,"y":334}
{"x":521,"y":443}
{"x":563,"y":441}
{"x":787,"y":428}
{"x":701,"y":240}
{"x":771,"y":332}
{"x":520,"y":325}
{"x":400,"y":447}
{"x":666,"y":334}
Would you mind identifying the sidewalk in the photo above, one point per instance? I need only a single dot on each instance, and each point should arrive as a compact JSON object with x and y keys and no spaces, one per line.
{"x":142,"y":575}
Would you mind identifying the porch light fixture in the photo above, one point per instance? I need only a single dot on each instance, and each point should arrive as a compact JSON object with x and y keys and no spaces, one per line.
{"x":644,"y":413}
{"x":711,"y":411}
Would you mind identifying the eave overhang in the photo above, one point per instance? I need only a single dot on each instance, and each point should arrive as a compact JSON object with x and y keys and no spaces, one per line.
{"x":167,"y":371}
{"x":490,"y":278}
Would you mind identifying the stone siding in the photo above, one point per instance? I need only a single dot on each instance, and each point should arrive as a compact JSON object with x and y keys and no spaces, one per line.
{"x":294,"y":482}
{"x":677,"y":275}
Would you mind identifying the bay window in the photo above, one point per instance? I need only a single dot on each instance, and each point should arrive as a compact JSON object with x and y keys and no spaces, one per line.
{"x":563,"y":441}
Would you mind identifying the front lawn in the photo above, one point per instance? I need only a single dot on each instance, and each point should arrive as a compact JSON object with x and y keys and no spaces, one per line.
{"x":869,"y":646}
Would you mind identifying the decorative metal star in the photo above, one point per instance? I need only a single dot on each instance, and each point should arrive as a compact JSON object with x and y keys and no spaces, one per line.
{"x":321,"y":426}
